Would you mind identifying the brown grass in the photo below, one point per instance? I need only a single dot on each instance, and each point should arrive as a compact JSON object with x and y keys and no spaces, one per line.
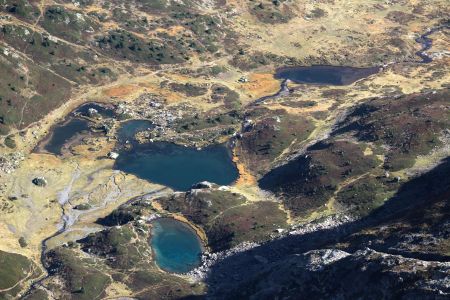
{"x":121,"y":90}
{"x":261,"y":84}
{"x":245,"y":177}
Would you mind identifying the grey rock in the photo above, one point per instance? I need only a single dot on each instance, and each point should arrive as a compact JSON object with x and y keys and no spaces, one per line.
{"x":40,"y":181}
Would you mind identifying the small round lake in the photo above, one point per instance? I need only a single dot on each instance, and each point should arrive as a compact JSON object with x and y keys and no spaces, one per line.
{"x":177,"y":166}
{"x":332,"y":75}
{"x":176,"y":246}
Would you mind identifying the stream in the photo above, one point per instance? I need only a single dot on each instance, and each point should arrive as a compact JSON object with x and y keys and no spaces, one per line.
{"x":427,"y":43}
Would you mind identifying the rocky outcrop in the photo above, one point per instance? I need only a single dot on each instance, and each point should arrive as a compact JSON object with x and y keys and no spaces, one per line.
{"x":202,"y":185}
{"x":329,"y":273}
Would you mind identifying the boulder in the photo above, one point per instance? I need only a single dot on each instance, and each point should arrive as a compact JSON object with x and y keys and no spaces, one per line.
{"x":202,"y":185}
{"x":113,"y":155}
{"x":82,"y":206}
{"x":92,"y":112}
{"x":40,"y":181}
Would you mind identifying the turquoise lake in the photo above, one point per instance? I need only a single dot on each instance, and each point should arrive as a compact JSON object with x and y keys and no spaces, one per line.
{"x":177,"y":166}
{"x":176,"y":246}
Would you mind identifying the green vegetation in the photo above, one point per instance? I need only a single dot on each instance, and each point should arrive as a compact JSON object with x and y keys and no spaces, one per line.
{"x":252,"y":222}
{"x":4,"y":129}
{"x":317,"y":13}
{"x":269,"y":135}
{"x":190,"y":90}
{"x":155,"y":5}
{"x":83,"y":206}
{"x":56,"y":60}
{"x":248,"y":61}
{"x":130,"y":21}
{"x":15,"y":105}
{"x":120,"y":253}
{"x":14,"y":269}
{"x":122,"y":44}
{"x":199,"y":122}
{"x":409,"y":126}
{"x":82,"y":277}
{"x":10,"y":142}
{"x":299,"y":104}
{"x":37,"y":294}
{"x":226,"y":217}
{"x":216,"y":70}
{"x":22,"y":242}
{"x":307,"y":182}
{"x":366,"y":194}
{"x":25,"y":10}
{"x":206,"y":28}
{"x":272,"y":11}
{"x":39,"y":47}
{"x":74,"y":45}
{"x":68,"y":25}
{"x":121,"y":242}
{"x":203,"y":206}
{"x":229,"y":97}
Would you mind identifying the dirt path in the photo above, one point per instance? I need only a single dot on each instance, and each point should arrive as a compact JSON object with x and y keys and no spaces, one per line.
{"x":29,"y":274}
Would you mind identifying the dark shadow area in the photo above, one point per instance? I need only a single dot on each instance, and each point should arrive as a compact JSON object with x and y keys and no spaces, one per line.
{"x":409,"y":205}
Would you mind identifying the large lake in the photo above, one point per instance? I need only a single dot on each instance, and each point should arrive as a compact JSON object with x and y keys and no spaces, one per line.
{"x":331,"y":75}
{"x":176,"y":246}
{"x":177,"y":166}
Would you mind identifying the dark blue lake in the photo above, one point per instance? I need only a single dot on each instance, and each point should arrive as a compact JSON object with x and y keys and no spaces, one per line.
{"x":128,"y":129}
{"x":176,"y":246}
{"x":177,"y":166}
{"x":102,"y":110}
{"x":331,"y":75}
{"x":63,"y":133}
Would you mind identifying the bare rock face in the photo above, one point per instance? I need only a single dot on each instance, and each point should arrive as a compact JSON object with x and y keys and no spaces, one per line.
{"x":318,"y":259}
